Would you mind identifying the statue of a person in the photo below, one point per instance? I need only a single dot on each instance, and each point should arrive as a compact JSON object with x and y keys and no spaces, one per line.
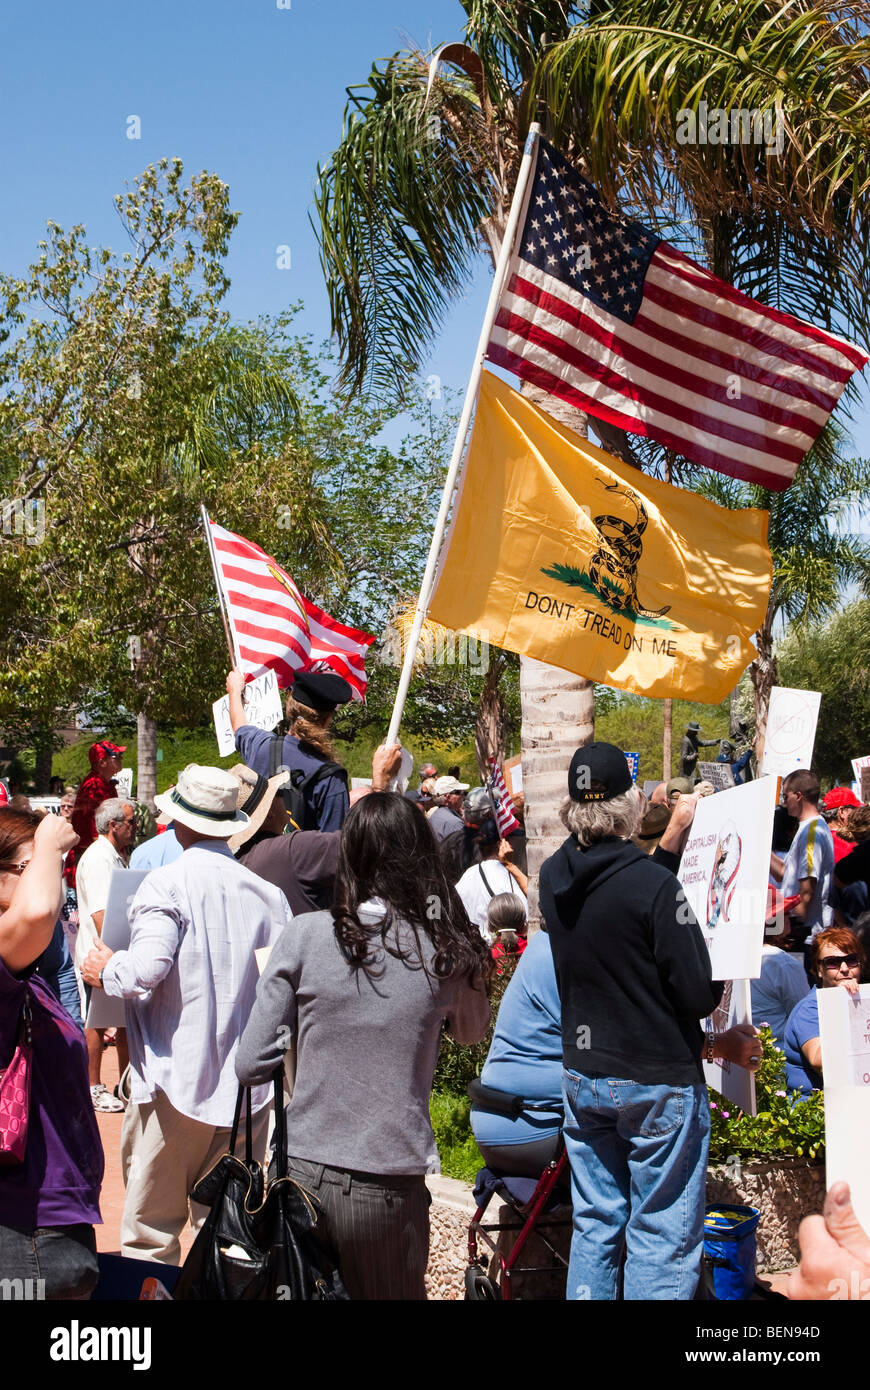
{"x":689,"y":748}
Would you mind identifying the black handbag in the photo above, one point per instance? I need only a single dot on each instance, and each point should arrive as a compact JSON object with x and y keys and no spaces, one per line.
{"x":261,"y":1240}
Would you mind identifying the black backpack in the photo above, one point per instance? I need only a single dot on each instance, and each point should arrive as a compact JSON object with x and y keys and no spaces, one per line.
{"x":297,"y":791}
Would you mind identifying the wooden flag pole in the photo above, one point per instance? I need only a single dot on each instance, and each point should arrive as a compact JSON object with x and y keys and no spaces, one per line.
{"x":428,"y":581}
{"x":235,"y":659}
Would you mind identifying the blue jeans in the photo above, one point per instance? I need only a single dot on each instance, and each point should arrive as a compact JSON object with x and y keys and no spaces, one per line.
{"x":638,"y":1158}
{"x":53,"y":1262}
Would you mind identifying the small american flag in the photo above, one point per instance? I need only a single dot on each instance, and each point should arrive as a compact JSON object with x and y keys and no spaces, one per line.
{"x":274,"y":626}
{"x":602,"y":313}
{"x":504,"y":807}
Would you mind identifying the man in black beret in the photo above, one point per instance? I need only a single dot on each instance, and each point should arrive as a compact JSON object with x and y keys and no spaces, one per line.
{"x":318,"y":784}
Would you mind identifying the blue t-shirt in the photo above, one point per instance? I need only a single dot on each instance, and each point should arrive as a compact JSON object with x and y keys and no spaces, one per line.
{"x":329,"y":799}
{"x":803,"y":1024}
{"x":159,"y":850}
{"x":525,"y":1057}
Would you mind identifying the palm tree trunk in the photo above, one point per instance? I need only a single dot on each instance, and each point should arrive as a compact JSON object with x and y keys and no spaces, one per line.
{"x":146,"y":768}
{"x":667,"y":739}
{"x":762,"y":673}
{"x":558,"y":716}
{"x":489,"y":727}
{"x":558,"y":708}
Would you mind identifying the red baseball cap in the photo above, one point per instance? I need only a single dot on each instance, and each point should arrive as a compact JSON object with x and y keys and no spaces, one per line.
{"x":4,"y":794}
{"x":841,"y":796}
{"x":98,"y":751}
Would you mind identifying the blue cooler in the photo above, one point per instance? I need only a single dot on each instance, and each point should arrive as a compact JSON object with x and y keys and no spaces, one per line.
{"x":729,"y":1249}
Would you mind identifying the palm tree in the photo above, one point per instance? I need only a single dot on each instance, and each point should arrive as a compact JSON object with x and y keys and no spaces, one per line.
{"x":430,"y":149}
{"x":814,"y":556}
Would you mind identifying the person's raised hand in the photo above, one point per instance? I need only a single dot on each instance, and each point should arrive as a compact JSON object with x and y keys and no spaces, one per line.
{"x":683,"y":812}
{"x":386,"y":762}
{"x":96,"y":960}
{"x":505,"y":851}
{"x":835,"y":1252}
{"x":54,"y":834}
{"x":741,"y":1045}
{"x":235,"y":682}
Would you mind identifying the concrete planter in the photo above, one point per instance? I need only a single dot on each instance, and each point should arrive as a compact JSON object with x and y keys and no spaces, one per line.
{"x":784,"y":1191}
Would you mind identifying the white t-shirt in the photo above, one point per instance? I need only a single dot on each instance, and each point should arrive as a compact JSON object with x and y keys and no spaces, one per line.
{"x":812,"y":856}
{"x":93,"y":873}
{"x":476,"y":899}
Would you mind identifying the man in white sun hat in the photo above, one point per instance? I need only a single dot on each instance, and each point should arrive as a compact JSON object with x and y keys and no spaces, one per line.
{"x":189,"y":978}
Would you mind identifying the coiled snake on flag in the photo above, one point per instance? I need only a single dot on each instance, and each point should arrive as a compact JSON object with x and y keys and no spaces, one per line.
{"x":613,"y":566}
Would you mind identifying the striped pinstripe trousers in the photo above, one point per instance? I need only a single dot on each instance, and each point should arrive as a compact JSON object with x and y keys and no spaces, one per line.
{"x":379,"y":1226}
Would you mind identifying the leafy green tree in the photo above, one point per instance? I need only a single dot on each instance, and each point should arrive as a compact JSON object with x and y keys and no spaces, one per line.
{"x":429,"y":155}
{"x":833,"y":656}
{"x":813,"y":553}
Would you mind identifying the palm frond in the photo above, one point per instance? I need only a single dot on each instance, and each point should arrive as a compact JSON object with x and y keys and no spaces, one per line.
{"x":397,"y":211}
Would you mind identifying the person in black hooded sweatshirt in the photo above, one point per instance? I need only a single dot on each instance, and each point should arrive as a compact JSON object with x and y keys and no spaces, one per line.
{"x":634,"y":980}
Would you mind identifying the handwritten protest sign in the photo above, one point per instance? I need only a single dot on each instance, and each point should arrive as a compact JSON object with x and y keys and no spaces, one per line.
{"x":720,"y":775}
{"x":262,"y":709}
{"x":791,"y":730}
{"x":724,"y":872}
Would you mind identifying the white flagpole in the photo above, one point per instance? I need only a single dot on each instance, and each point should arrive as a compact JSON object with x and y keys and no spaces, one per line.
{"x":428,"y":580}
{"x":234,"y":656}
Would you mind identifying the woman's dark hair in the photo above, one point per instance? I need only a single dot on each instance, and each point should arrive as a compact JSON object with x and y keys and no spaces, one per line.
{"x":387,"y":851}
{"x":17,"y":829}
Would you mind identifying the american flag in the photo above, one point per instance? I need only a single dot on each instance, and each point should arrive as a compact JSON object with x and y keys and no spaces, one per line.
{"x":602,"y":313}
{"x":275,"y":626}
{"x":504,"y":808}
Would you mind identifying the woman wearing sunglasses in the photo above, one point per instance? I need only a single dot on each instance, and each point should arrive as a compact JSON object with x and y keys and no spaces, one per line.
{"x":837,"y":959}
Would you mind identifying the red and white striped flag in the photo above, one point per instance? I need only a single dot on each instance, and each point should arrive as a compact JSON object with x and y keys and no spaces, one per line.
{"x":276,"y":627}
{"x":504,"y":807}
{"x":600,"y":312}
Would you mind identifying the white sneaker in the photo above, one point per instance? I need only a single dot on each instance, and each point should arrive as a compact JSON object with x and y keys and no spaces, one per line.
{"x":103,"y":1101}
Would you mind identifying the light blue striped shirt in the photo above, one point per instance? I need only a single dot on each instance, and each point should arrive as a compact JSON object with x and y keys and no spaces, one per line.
{"x":190,"y":976}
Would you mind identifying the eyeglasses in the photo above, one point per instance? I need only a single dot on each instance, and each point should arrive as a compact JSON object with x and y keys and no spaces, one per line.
{"x":837,"y":962}
{"x":14,"y":868}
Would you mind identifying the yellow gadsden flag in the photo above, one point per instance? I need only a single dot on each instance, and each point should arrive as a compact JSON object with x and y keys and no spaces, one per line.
{"x":561,"y":552}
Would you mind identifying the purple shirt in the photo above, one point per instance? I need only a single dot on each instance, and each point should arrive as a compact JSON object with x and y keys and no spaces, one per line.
{"x":58,"y":1184}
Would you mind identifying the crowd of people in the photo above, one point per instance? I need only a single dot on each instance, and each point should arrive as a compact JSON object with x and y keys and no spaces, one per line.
{"x":287,"y":922}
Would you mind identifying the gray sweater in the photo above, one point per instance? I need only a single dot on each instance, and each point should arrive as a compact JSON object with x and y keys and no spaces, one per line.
{"x":366,"y":1047}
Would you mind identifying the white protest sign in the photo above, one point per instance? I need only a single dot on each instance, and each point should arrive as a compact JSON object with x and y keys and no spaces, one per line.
{"x":791,"y":730}
{"x":720,"y":774}
{"x":262,"y":704}
{"x":724,"y":872}
{"x":124,"y":783}
{"x":858,"y":764}
{"x":107,"y":1011}
{"x":735,"y":1083}
{"x":844,"y":1029}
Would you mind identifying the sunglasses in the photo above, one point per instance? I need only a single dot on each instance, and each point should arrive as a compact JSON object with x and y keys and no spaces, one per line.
{"x":837,"y":962}
{"x":14,"y":868}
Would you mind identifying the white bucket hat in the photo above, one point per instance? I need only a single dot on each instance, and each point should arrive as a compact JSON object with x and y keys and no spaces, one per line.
{"x":204,"y":799}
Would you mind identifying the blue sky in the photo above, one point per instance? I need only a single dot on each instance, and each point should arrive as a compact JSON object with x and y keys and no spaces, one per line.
{"x":245,"y":88}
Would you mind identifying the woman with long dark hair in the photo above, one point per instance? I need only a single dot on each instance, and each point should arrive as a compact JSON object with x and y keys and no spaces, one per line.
{"x":364,"y":989}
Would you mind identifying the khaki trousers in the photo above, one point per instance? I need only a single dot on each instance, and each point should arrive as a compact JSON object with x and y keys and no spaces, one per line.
{"x":164,"y":1154}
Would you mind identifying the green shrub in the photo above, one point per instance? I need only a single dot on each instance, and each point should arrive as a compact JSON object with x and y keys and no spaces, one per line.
{"x":460,"y":1156}
{"x":785,"y":1126}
